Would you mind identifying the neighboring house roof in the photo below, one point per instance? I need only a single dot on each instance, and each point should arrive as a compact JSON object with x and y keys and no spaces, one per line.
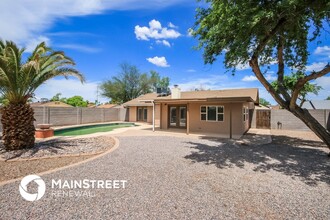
{"x":317,"y":104}
{"x":275,"y":107}
{"x":206,"y":95}
{"x":91,"y":105}
{"x":51,"y":104}
{"x":106,"y":106}
{"x":262,"y":107}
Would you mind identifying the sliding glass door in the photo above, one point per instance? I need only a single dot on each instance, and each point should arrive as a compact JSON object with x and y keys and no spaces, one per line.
{"x":178,"y":116}
{"x":142,"y":114}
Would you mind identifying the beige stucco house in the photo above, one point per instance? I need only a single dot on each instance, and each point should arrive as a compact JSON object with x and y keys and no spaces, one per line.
{"x":223,"y":112}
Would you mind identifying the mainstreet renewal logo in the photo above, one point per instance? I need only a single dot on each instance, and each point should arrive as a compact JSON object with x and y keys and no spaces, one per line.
{"x":32,"y":196}
{"x":67,"y":188}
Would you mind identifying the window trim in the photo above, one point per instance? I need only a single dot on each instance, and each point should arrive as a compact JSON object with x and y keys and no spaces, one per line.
{"x":216,"y":113}
{"x":245,"y":114}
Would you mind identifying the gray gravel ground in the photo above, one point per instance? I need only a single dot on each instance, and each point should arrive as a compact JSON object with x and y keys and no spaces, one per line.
{"x":59,"y":146}
{"x":181,"y":178}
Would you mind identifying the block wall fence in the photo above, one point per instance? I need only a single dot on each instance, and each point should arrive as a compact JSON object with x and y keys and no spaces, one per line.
{"x":291,"y":122}
{"x":58,"y":116}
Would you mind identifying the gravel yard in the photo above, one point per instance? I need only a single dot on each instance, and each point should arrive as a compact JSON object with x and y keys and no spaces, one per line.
{"x":189,"y":178}
{"x":60,"y":146}
{"x":58,"y":151}
{"x":16,"y":169}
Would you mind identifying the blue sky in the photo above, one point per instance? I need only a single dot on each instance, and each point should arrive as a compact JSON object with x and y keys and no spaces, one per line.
{"x":153,"y":35}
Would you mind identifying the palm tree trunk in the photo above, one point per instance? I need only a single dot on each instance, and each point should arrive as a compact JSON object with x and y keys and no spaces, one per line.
{"x":17,"y":126}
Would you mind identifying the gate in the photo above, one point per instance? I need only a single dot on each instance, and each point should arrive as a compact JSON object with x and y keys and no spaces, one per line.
{"x":263,"y":119}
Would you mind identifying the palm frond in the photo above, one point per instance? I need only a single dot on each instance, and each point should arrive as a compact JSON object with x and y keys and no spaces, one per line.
{"x":19,"y":80}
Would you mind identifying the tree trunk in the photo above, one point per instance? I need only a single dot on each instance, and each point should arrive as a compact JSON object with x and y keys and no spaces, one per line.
{"x":313,"y":124}
{"x":17,"y":126}
{"x":300,"y":113}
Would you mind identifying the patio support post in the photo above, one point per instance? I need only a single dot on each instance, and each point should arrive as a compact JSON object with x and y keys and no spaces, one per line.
{"x":153,"y":116}
{"x":230,"y":125}
{"x":188,"y":119}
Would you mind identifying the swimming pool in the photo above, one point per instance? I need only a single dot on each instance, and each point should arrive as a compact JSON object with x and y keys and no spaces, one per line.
{"x":90,"y":129}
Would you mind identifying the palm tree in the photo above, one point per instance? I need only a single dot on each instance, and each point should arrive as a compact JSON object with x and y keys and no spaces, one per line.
{"x":19,"y":80}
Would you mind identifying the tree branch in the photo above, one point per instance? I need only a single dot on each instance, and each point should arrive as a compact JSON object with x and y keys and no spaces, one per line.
{"x":255,"y":64}
{"x":256,"y":69}
{"x":315,"y":75}
{"x":271,"y":33}
{"x":302,"y":81}
{"x":280,"y":73}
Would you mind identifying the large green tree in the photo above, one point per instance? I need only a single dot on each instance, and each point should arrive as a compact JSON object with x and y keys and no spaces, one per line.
{"x":77,"y":101}
{"x":263,"y":33}
{"x":157,"y":81}
{"x":130,"y":83}
{"x":18,"y":80}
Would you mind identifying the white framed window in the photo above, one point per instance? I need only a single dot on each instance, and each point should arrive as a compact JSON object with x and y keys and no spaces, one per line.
{"x":212,"y":113}
{"x":245,"y":113}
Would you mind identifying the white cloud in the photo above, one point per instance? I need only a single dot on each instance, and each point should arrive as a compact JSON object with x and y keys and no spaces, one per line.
{"x":32,"y":43}
{"x":164,"y":42}
{"x":171,"y":25}
{"x":249,"y":78}
{"x":270,"y":77}
{"x":155,"y":31}
{"x":191,"y":70}
{"x":81,"y":48}
{"x":325,"y":50}
{"x":252,"y":78}
{"x":33,"y":17}
{"x":21,"y":20}
{"x":317,"y":66}
{"x":324,"y":82}
{"x":213,"y":82}
{"x":158,"y":61}
{"x":69,"y":88}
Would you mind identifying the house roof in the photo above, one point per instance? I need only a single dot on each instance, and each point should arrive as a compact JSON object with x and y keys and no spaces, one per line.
{"x":106,"y":106}
{"x":140,"y":101}
{"x":317,"y":104}
{"x":261,"y":107}
{"x":206,"y":95}
{"x":51,"y":104}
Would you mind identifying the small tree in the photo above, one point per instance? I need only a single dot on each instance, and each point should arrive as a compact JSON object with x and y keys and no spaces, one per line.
{"x":56,"y":97}
{"x":264,"y":102}
{"x":290,"y":81}
{"x":77,"y":101}
{"x":328,"y":98}
{"x":262,"y":33}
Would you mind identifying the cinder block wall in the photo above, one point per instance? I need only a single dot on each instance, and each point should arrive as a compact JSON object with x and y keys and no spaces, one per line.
{"x":291,"y":122}
{"x":58,"y":116}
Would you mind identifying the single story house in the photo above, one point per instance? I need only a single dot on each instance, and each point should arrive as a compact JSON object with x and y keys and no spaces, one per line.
{"x":224,"y":112}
